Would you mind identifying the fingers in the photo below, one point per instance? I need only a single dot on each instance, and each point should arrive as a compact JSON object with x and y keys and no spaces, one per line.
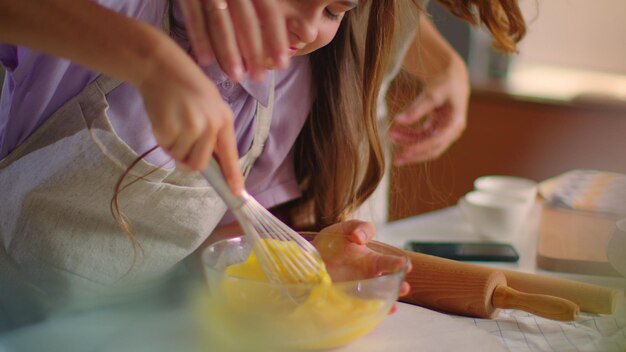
{"x":356,"y":231}
{"x":226,"y":151}
{"x":442,"y":127}
{"x":223,"y":38}
{"x":359,"y":232}
{"x":379,"y":264}
{"x":420,"y":153}
{"x":426,"y":149}
{"x":248,"y":37}
{"x":405,"y":288}
{"x":261,"y":35}
{"x":186,"y":135}
{"x":242,"y":35}
{"x":193,"y":144}
{"x":196,"y":29}
{"x":190,"y":119}
{"x":195,"y":134}
{"x":419,"y":144}
{"x":219,"y":138}
{"x":441,"y":113}
{"x":200,"y":152}
{"x":274,"y":32}
{"x":407,"y":136}
{"x":421,"y":107}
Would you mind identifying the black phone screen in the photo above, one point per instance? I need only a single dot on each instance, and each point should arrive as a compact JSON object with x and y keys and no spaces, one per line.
{"x":467,"y":251}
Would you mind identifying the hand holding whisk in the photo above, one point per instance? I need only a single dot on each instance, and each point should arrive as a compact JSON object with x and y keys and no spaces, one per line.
{"x":284,"y":255}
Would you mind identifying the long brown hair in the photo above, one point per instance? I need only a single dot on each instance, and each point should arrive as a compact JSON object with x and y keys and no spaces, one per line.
{"x":338,"y":155}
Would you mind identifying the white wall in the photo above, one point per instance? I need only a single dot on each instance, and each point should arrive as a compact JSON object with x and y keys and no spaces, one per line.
{"x":588,"y":34}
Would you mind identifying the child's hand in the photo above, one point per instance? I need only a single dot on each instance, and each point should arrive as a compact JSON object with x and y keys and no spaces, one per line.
{"x":242,"y":35}
{"x":190,"y":120}
{"x":348,"y":258}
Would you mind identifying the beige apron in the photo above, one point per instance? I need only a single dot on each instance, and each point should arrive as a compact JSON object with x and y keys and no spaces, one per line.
{"x":56,"y":225}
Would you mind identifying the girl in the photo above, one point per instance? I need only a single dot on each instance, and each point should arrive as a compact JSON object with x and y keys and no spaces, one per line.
{"x":68,"y":133}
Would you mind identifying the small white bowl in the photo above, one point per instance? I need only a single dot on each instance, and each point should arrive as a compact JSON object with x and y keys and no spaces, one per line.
{"x":508,"y":185}
{"x":494,"y":215}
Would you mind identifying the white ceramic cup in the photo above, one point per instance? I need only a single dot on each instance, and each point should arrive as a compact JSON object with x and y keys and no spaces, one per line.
{"x":508,"y":185}
{"x":494,"y":215}
{"x":616,"y":250}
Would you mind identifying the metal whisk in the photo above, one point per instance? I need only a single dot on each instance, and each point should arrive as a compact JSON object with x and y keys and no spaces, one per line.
{"x":284,"y":255}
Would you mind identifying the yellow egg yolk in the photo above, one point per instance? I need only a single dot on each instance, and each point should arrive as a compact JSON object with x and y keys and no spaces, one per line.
{"x":324,"y":315}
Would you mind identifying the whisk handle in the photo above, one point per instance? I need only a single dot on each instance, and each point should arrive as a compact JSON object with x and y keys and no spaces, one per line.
{"x":214,"y":175}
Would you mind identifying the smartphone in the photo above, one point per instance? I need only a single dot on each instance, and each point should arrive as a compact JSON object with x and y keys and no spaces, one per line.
{"x":466,"y":251}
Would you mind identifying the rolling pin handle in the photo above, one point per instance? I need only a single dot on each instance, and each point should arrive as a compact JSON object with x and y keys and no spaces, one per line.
{"x":546,"y":306}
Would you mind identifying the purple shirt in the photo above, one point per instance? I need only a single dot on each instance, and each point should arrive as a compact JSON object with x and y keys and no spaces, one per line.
{"x":36,"y":85}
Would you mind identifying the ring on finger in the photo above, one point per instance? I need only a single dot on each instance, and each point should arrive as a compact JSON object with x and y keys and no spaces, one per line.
{"x":215,"y":5}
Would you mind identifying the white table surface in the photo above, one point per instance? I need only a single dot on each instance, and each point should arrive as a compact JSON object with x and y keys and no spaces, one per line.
{"x":517,"y":330}
{"x":168,"y":328}
{"x":449,"y":225}
{"x":410,"y":329}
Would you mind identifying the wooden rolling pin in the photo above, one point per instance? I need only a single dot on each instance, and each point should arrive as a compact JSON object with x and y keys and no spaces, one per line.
{"x":457,"y":288}
{"x":590,"y":298}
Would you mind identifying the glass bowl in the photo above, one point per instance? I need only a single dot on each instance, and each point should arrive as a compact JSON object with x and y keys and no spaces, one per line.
{"x":248,"y":313}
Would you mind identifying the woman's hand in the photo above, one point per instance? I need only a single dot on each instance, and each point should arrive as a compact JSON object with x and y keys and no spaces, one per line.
{"x":347,"y":256}
{"x":190,"y":120}
{"x":437,"y":117}
{"x":243,"y":36}
{"x":440,"y":114}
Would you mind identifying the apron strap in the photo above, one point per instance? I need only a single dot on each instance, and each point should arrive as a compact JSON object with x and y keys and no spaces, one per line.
{"x":106,"y":84}
{"x":262,"y":130}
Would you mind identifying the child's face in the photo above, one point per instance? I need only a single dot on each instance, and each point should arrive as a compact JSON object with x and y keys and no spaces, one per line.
{"x":311,"y":24}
